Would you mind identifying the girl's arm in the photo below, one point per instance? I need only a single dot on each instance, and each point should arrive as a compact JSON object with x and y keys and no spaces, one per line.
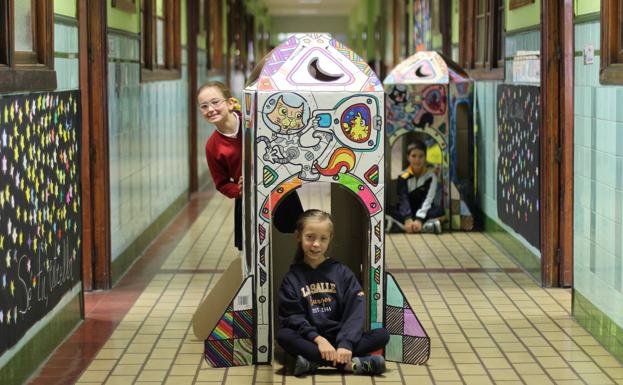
{"x":428,"y":201}
{"x":222,"y":181}
{"x":292,"y":313}
{"x":353,"y":313}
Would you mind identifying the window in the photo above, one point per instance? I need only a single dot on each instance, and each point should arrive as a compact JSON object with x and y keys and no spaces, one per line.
{"x":125,"y":5}
{"x":160,"y":40}
{"x":482,"y":38}
{"x":215,"y":34}
{"x":26,"y":46}
{"x":203,"y":15}
{"x":611,"y":71}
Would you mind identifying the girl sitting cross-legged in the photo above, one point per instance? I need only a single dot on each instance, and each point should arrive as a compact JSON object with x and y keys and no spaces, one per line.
{"x":322,"y":307}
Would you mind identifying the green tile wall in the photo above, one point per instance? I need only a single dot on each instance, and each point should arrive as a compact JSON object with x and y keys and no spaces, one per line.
{"x":598,"y":195}
{"x":148,"y":145}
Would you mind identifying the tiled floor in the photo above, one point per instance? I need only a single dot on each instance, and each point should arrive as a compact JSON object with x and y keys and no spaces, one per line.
{"x":487,"y":320}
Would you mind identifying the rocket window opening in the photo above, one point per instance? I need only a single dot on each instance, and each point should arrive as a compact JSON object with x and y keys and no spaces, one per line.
{"x":398,"y":162}
{"x":319,"y":74}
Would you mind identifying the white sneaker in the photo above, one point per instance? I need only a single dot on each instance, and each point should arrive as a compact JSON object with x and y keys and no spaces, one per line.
{"x":393,"y":226}
{"x":432,"y":226}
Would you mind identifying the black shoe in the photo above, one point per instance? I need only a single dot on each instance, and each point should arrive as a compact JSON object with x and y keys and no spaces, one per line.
{"x":370,"y":365}
{"x":304,"y":366}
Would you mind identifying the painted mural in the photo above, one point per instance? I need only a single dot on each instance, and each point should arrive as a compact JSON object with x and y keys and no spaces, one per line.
{"x":422,"y":26}
{"x":518,"y":187}
{"x":424,"y":94}
{"x":315,"y":114}
{"x":40,"y":210}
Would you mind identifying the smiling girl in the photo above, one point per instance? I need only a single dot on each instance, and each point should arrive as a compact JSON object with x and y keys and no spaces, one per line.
{"x":224,"y":147}
{"x":321,"y":307}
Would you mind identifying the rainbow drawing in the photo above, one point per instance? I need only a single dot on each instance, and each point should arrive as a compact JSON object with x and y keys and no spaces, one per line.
{"x":343,"y":157}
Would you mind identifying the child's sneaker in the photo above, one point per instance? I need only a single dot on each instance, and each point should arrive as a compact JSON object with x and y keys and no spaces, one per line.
{"x":304,"y":366}
{"x":432,"y":226}
{"x":370,"y":365}
{"x":393,"y":226}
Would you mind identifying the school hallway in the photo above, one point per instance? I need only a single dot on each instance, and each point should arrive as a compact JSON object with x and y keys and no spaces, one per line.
{"x":488,"y":321}
{"x":114,"y":227}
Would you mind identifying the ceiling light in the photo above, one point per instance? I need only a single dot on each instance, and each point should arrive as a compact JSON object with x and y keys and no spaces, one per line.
{"x":308,"y":12}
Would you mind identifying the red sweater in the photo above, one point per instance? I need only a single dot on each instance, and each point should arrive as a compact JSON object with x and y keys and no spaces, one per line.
{"x":224,"y":156}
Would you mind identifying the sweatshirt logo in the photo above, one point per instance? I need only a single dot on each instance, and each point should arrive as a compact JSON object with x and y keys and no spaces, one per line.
{"x":320,"y":287}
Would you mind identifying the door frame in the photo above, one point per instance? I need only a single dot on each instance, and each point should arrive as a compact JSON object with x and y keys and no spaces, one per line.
{"x":192,"y":27}
{"x":557,"y":79}
{"x":95,"y":179}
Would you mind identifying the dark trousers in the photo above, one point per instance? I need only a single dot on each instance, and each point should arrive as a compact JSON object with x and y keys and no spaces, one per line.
{"x":294,"y":344}
{"x":238,"y":223}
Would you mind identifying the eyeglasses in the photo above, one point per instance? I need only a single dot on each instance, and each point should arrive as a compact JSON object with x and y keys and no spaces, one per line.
{"x":214,"y":103}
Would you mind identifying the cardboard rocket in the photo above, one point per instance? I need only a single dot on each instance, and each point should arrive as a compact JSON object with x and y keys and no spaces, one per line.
{"x":314,"y":114}
{"x":430,"y":94}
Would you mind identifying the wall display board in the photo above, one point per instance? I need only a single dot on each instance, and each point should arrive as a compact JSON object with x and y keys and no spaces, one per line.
{"x":40,"y":209}
{"x":518,"y":187}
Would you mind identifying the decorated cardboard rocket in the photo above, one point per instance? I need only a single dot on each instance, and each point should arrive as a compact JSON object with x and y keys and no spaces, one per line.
{"x":314,"y":114}
{"x":430,"y":94}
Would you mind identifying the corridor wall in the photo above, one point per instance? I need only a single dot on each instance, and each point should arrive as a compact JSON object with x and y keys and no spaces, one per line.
{"x":40,"y":211}
{"x":598,"y":190}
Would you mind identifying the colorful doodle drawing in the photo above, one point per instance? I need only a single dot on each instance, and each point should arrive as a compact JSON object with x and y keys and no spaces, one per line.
{"x":362,"y":190}
{"x":398,"y":94}
{"x":288,"y":118}
{"x":295,"y":140}
{"x":342,"y":160}
{"x":435,"y":100}
{"x":372,"y":175}
{"x":359,"y":120}
{"x":408,"y":340}
{"x":355,"y":123}
{"x":270,"y":203}
{"x":269,"y":176}
{"x":279,"y":55}
{"x":231,"y":341}
{"x":422,"y":31}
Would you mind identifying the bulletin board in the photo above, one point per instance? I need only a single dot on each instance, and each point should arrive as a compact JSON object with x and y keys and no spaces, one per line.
{"x":518,"y":187}
{"x":40,"y":208}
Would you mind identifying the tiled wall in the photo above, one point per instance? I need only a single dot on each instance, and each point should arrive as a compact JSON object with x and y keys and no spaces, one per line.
{"x":486,"y":119}
{"x":598,"y":182}
{"x":148,"y":142}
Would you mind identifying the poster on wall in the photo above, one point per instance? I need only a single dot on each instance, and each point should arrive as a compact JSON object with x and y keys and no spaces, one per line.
{"x":40,"y":208}
{"x":518,"y":187}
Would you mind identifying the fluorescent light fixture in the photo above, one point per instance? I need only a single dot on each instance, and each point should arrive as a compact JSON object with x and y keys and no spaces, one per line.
{"x":308,"y":11}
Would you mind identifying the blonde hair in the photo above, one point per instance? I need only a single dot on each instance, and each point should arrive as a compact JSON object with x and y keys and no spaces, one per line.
{"x":301,"y":222}
{"x":224,"y":91}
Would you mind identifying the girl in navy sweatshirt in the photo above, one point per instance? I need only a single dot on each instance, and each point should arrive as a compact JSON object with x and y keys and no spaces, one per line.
{"x":322,"y":307}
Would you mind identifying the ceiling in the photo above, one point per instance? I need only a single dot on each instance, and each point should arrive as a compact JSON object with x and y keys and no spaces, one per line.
{"x":310,"y":7}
